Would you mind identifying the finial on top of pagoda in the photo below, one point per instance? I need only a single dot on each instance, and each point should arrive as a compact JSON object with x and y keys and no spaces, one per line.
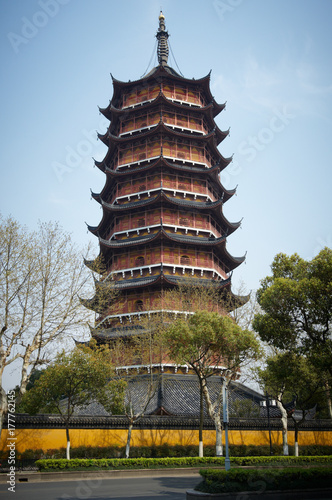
{"x":162,"y":37}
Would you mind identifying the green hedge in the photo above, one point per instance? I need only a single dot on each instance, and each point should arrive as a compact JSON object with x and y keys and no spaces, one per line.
{"x":127,"y":463}
{"x":259,"y":480}
{"x":166,"y":450}
{"x":280,"y":460}
{"x":171,"y":462}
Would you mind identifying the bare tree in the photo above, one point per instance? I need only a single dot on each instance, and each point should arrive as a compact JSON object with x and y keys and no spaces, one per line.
{"x":244,"y":314}
{"x":42,"y":275}
{"x":138,"y":362}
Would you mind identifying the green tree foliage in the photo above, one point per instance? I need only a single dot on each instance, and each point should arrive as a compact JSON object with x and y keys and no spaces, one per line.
{"x":297,"y":309}
{"x":297,"y":305}
{"x":244,"y":409}
{"x":71,"y":382}
{"x":189,"y":297}
{"x":211,"y":344}
{"x":288,"y":377}
{"x":208,"y":340}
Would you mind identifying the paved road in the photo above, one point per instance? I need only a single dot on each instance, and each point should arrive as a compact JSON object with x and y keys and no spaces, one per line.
{"x":161,"y":488}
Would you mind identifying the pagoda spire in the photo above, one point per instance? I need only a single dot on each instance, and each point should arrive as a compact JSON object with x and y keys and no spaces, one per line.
{"x":162,"y":37}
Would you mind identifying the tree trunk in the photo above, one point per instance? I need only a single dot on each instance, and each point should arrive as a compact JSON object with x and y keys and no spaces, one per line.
{"x":68,"y":444}
{"x":296,"y":439}
{"x":130,"y":428}
{"x":24,"y":371}
{"x":3,"y":407}
{"x":284,"y":428}
{"x":328,"y":398}
{"x":215,"y":415}
{"x":200,"y":449}
{"x":217,"y":423}
{"x":201,"y":421}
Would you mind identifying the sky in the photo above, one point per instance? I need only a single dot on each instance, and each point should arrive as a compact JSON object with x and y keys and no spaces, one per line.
{"x":270,"y":61}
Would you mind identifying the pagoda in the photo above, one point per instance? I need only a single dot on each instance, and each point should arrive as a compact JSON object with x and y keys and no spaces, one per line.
{"x":162,"y":202}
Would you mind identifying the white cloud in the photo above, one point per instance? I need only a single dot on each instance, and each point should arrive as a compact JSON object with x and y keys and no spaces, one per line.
{"x":259,"y":87}
{"x":62,"y":202}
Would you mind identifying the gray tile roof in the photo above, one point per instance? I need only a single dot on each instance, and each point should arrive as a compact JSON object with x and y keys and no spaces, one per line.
{"x":178,"y":395}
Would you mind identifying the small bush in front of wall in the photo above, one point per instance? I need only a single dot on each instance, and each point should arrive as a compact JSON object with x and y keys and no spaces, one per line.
{"x":127,"y":463}
{"x":173,"y":462}
{"x":97,"y":452}
{"x":32,"y":455}
{"x":259,"y":480}
{"x":166,"y":450}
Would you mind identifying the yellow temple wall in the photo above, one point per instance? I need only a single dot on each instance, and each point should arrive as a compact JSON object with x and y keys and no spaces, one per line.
{"x":56,"y":438}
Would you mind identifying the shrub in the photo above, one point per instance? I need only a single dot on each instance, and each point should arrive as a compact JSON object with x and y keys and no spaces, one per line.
{"x":31,"y":454}
{"x":150,"y":463}
{"x":128,"y":463}
{"x":166,"y":450}
{"x":259,"y":480}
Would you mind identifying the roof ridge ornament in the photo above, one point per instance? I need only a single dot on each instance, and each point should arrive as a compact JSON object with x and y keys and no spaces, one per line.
{"x":162,"y":37}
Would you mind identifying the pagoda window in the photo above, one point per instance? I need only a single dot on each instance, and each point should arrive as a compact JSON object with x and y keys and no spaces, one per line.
{"x":184,"y":221}
{"x":139,"y":305}
{"x":195,"y":153}
{"x":183,"y":183}
{"x":183,"y":152}
{"x":184,"y":260}
{"x":180,"y":94}
{"x":142,"y":187}
{"x":167,"y":217}
{"x":142,"y":95}
{"x":153,"y":148}
{"x":182,"y":120}
{"x":127,"y":125}
{"x":139,"y":262}
{"x":141,"y":222}
{"x":137,"y":95}
{"x":169,"y":118}
{"x":193,"y":97}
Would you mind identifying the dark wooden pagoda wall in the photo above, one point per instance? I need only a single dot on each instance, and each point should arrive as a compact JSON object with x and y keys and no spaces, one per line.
{"x":165,"y":125}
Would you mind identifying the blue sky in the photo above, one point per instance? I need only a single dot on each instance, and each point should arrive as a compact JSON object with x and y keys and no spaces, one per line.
{"x":270,"y":60}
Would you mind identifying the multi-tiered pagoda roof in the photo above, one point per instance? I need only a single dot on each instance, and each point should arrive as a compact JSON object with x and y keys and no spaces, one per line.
{"x":162,"y":203}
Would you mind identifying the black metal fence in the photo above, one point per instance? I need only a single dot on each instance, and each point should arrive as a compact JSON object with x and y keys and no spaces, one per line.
{"x":20,"y":465}
{"x":46,"y":421}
